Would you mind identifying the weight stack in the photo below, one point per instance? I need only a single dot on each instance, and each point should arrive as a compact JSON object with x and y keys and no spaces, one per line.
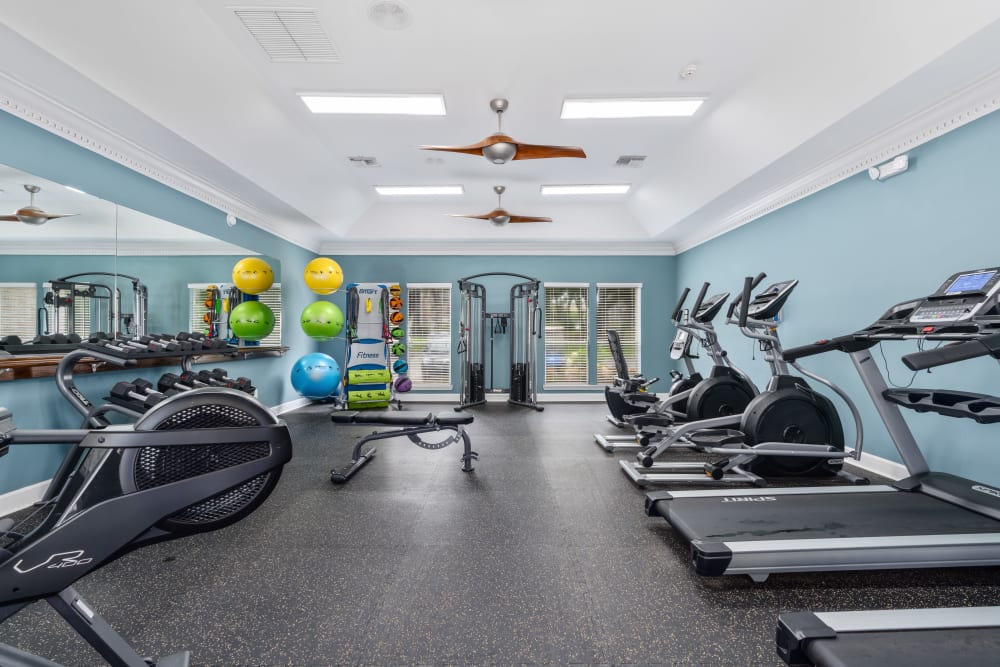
{"x":519,"y":382}
{"x":477,"y":382}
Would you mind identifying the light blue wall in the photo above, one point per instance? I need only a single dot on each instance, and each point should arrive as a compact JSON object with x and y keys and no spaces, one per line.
{"x":861,"y":246}
{"x":655,"y":273}
{"x":35,"y":403}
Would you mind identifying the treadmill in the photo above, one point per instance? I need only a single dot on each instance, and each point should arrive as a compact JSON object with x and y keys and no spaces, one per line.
{"x":928,"y":519}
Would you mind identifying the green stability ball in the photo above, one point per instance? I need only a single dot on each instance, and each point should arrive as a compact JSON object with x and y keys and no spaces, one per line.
{"x":251,"y":320}
{"x":322,"y":320}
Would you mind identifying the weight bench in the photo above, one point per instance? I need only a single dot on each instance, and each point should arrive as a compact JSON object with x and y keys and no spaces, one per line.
{"x":411,"y":424}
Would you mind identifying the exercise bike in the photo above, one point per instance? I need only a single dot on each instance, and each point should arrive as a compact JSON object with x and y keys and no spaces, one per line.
{"x":786,"y":430}
{"x":193,"y":463}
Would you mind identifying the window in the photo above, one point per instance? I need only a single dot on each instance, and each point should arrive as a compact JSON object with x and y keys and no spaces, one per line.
{"x":428,"y":334}
{"x":617,"y":309}
{"x":567,"y":357}
{"x":18,"y":303}
{"x":199,"y":294}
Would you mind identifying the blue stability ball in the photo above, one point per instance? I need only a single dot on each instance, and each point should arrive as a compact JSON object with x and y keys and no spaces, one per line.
{"x":316,"y":375}
{"x":400,"y":366}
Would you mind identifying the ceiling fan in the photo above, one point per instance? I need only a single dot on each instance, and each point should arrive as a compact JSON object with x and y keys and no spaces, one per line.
{"x":500,"y":148}
{"x":31,"y":214}
{"x":500,"y":216}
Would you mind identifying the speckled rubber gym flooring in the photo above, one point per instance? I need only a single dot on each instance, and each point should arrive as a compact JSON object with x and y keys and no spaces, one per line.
{"x":541,"y":556}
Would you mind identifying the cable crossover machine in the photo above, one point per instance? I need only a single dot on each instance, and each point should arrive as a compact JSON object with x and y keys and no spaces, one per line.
{"x":524,"y":323}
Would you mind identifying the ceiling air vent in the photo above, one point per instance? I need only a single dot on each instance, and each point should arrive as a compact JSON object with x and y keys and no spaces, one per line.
{"x":364,"y":161}
{"x":289,"y":35}
{"x":634,"y":161}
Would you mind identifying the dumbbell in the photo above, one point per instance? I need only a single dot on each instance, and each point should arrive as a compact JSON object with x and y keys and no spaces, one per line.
{"x":217,"y":378}
{"x":181,"y":345}
{"x":127,"y":391}
{"x":97,"y":337}
{"x":169,"y":381}
{"x":144,"y":386}
{"x":11,"y":340}
{"x":118,"y":349}
{"x":203,"y":340}
{"x":152,"y":344}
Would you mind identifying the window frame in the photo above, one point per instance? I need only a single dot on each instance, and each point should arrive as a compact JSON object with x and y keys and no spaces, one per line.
{"x":634,"y":364}
{"x":551,"y":383}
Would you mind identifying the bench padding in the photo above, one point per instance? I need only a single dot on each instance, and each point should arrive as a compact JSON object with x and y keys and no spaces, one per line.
{"x":401,"y":418}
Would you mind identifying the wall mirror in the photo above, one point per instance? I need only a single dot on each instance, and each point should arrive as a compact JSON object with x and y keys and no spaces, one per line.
{"x":107,"y":268}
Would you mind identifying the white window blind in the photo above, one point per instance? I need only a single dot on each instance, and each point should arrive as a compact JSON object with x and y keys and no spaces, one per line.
{"x":566,"y":336}
{"x":18,"y":304}
{"x":196,"y":312}
{"x":618,"y":308}
{"x":428,"y":334}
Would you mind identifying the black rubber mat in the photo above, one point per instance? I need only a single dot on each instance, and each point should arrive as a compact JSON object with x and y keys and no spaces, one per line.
{"x":543,"y":555}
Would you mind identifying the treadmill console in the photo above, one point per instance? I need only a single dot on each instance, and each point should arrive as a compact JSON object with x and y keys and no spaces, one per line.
{"x":710,"y":308}
{"x":769,"y":302}
{"x":961,"y":297}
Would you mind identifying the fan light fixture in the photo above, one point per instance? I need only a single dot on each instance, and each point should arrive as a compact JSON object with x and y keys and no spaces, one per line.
{"x":500,"y":148}
{"x":644,"y":107}
{"x":402,"y":104}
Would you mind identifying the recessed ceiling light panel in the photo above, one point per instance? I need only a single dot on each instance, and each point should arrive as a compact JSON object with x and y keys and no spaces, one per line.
{"x":647,"y":107}
{"x":405,"y":105}
{"x":585,"y":189}
{"x":410,"y":190}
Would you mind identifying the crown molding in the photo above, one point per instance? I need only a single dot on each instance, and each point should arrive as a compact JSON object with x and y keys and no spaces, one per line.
{"x":545,"y":247}
{"x":22,"y":100}
{"x":121,"y":249}
{"x":968,"y":104}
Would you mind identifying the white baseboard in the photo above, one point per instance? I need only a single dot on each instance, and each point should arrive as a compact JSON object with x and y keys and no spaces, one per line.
{"x":881,"y":466}
{"x":291,"y":405}
{"x":18,"y":499}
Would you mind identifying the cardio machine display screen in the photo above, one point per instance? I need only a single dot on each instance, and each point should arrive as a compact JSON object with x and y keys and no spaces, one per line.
{"x":970,"y":282}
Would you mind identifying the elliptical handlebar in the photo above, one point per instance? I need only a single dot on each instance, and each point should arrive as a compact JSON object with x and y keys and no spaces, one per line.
{"x":745,"y":301}
{"x":680,"y":304}
{"x":748,"y":285}
{"x":701,"y":297}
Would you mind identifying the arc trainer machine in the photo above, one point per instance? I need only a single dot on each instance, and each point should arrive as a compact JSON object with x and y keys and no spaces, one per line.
{"x":525,"y":330}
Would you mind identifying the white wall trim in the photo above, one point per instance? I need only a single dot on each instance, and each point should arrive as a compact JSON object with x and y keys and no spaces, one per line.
{"x":880,"y":466}
{"x":18,"y":499}
{"x":291,"y":405}
{"x":554,"y":247}
{"x":20,"y":99}
{"x":965,"y":106}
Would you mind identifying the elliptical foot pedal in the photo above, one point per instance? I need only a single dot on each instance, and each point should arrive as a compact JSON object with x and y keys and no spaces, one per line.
{"x":717,"y":437}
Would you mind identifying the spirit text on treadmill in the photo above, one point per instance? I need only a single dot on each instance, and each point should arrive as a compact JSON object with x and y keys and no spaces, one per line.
{"x":748,"y":499}
{"x":987,"y":490}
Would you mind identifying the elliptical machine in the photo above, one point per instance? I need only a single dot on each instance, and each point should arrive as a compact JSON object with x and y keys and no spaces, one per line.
{"x":726,"y":391}
{"x":786,"y":430}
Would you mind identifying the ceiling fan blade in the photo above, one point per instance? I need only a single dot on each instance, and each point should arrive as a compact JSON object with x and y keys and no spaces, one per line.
{"x":53,"y":216}
{"x":537,"y":151}
{"x":9,"y":218}
{"x":528,"y":218}
{"x":477,"y":217}
{"x":472,"y":149}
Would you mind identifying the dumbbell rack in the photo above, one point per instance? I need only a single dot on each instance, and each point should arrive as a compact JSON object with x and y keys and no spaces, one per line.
{"x":94,"y":416}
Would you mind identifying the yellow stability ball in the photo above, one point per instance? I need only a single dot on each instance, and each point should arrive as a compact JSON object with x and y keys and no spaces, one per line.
{"x":253,"y":275}
{"x":323,"y":275}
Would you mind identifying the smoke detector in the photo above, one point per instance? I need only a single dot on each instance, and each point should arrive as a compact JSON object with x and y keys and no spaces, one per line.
{"x":633,"y":161}
{"x":390,"y":14}
{"x":689,"y":71}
